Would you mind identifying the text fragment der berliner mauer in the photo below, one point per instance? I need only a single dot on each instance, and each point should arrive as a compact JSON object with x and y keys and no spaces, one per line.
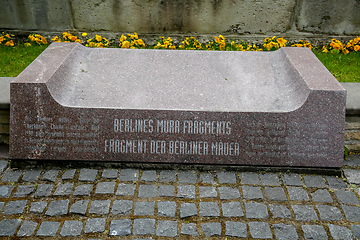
{"x":279,"y":108}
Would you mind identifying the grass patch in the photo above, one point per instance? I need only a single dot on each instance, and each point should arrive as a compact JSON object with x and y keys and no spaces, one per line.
{"x":345,"y":68}
{"x":14,"y":60}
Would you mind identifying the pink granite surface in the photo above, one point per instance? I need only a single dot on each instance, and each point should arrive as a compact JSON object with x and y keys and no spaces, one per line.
{"x":278,"y":108}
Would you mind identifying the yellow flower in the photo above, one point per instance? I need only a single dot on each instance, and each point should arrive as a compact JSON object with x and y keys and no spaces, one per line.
{"x":78,"y":41}
{"x":1,"y":39}
{"x":91,"y":44}
{"x":9,"y":43}
{"x":125,"y":44}
{"x":7,"y":36}
{"x":324,"y":49}
{"x":27,"y":44}
{"x":99,"y":45}
{"x":356,"y":48}
{"x":84,"y":34}
{"x":98,"y":38}
{"x":122,"y":38}
{"x":136,"y":35}
{"x":281,"y":41}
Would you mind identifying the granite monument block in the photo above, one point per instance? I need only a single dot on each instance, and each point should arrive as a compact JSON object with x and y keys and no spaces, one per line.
{"x":280,"y":108}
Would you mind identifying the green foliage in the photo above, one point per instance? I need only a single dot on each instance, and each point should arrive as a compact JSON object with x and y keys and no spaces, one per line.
{"x":345,"y":68}
{"x":15,"y":59}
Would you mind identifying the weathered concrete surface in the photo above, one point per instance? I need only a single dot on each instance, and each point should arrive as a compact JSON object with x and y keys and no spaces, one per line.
{"x":239,"y":17}
{"x":329,"y":17}
{"x":35,"y":15}
{"x":278,"y":108}
{"x":203,"y":16}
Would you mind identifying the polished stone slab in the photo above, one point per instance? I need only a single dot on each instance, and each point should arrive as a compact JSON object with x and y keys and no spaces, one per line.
{"x":279,"y":108}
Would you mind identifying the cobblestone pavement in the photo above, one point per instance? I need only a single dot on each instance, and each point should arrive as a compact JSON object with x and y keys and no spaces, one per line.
{"x":167,"y":204}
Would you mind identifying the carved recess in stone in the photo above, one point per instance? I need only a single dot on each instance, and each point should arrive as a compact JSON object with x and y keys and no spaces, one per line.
{"x":279,"y":108}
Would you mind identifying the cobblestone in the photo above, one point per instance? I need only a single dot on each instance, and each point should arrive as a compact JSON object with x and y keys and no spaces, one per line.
{"x":147,"y":191}
{"x":226,"y":177}
{"x":27,"y":228}
{"x":304,"y":212}
{"x":291,"y":180}
{"x":50,"y":175}
{"x":297,"y":194}
{"x":83,"y":190}
{"x":236,"y":229}
{"x":260,"y":230}
{"x":144,"y":208}
{"x":340,"y":232}
{"x":71,"y":228}
{"x":314,"y":232}
{"x":44,"y":190}
{"x":144,"y":226}
{"x":189,"y":229}
{"x":48,"y":229}
{"x":94,"y":225}
{"x":187,"y":177}
{"x":79,"y":207}
{"x":167,"y":176}
{"x":99,"y":207}
{"x":8,"y":227}
{"x":209,"y":209}
{"x":105,"y":188}
{"x":15,"y":207}
{"x":5,"y":191}
{"x":347,"y":197}
{"x":57,"y":207}
{"x":186,"y":191}
{"x":31,"y":175}
{"x":166,"y":229}
{"x":335,"y":183}
{"x":249,"y":178}
{"x":188,"y":210}
{"x":149,"y":176}
{"x":252,"y":192}
{"x":329,"y":213}
{"x":232,"y":209}
{"x":122,"y":207}
{"x":166,"y":191}
{"x":256,"y":210}
{"x":211,"y":229}
{"x":177,"y":205}
{"x":69,"y":174}
{"x":314,"y":181}
{"x":322,"y":195}
{"x":110,"y":174}
{"x":352,"y":213}
{"x":38,"y":207}
{"x":125,"y":189}
{"x":88,"y":175}
{"x":129,"y":175}
{"x":229,"y":193}
{"x":168,"y":208}
{"x":275,"y":194}
{"x":63,"y":189}
{"x":11,"y":176}
{"x":120,"y":227}
{"x":24,"y":190}
{"x":207,"y":178}
{"x":285,"y":232}
{"x":280,"y":211}
{"x":269,"y":179}
{"x":208,"y":192}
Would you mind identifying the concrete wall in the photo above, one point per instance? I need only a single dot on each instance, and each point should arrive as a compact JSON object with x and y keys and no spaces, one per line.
{"x":237,"y":17}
